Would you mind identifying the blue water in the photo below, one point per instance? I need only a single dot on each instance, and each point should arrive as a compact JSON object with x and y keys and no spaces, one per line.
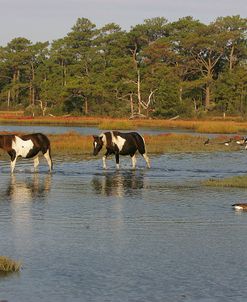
{"x":85,"y":234}
{"x":90,"y":130}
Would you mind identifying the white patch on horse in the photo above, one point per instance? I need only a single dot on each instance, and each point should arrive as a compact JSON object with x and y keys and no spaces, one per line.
{"x":102,"y":135}
{"x":22,"y":147}
{"x":118,"y":141}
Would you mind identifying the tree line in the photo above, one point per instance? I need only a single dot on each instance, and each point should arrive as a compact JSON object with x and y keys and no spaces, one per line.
{"x":156,"y":69}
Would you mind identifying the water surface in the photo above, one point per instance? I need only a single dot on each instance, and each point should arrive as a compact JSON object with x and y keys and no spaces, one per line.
{"x":85,"y":234}
{"x":85,"y":130}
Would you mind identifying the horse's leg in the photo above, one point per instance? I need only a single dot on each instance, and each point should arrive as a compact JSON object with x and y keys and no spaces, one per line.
{"x":133,"y":158}
{"x":48,"y":159}
{"x":117,"y":160}
{"x":142,"y":149}
{"x":13,"y":158}
{"x":146,"y":159}
{"x":35,"y":162}
{"x":104,"y":159}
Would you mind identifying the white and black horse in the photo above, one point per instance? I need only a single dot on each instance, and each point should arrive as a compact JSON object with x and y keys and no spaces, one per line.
{"x":26,"y":146}
{"x":119,"y":143}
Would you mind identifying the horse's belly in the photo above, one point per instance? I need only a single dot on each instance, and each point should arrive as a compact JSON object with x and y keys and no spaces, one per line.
{"x":128,"y":151}
{"x":23,"y":152}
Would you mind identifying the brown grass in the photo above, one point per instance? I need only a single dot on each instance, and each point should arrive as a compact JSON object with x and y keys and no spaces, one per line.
{"x":237,"y":182}
{"x":73,"y":143}
{"x":9,"y":265}
{"x":203,"y":126}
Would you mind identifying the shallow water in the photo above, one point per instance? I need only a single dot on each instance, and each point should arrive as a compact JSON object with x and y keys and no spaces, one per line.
{"x":85,"y":234}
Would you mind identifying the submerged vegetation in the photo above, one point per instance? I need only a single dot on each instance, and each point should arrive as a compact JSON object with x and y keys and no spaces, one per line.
{"x":8,"y":265}
{"x":236,"y":181}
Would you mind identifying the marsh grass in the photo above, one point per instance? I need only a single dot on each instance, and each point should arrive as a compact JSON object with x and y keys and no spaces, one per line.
{"x":8,"y":265}
{"x":172,"y":142}
{"x":201,"y":126}
{"x":73,"y":143}
{"x":236,"y":181}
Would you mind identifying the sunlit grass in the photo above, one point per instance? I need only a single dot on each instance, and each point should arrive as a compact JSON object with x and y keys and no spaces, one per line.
{"x":171,"y":142}
{"x":220,"y":127}
{"x":236,"y":181}
{"x":71,"y":143}
{"x":74,"y":143}
{"x":202,"y":126}
{"x":9,"y":265}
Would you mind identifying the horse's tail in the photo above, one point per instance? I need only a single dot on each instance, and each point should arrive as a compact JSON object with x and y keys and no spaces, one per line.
{"x":140,"y":142}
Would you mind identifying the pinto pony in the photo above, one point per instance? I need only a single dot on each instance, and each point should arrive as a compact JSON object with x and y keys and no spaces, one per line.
{"x":119,"y":143}
{"x":26,"y":146}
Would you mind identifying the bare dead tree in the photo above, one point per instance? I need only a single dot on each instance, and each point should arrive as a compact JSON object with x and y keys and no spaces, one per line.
{"x":43,"y":106}
{"x":141,"y":103}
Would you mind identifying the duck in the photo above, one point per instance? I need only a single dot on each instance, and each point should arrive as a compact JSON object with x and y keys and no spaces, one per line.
{"x":242,"y":141}
{"x":240,"y":206}
{"x":227,"y":143}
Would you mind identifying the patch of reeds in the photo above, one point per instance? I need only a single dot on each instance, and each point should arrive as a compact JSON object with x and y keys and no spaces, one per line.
{"x":73,"y":143}
{"x":220,"y":127}
{"x":8,"y":265}
{"x":236,"y":181}
{"x":172,"y":142}
{"x":76,"y":144}
{"x":202,"y":126}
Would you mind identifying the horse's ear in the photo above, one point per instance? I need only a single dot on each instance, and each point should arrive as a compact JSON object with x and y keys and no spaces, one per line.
{"x":95,"y":137}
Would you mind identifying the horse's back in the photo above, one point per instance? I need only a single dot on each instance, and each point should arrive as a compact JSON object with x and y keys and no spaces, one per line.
{"x":39,"y":140}
{"x":133,"y":138}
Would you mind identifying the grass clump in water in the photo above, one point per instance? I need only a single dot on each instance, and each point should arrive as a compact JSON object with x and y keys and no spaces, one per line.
{"x":236,"y":181}
{"x":8,"y":265}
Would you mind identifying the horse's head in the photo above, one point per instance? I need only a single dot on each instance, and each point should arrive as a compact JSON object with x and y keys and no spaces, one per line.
{"x":97,"y":144}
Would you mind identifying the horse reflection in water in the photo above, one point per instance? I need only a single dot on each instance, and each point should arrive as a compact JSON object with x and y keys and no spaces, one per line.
{"x":27,"y":190}
{"x":119,"y":183}
{"x":22,"y":193}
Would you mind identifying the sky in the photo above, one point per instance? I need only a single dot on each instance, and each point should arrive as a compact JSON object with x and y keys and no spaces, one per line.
{"x":48,"y":20}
